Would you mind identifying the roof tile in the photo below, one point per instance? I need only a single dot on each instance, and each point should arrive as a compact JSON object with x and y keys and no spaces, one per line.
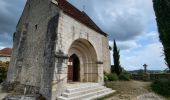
{"x":6,"y":52}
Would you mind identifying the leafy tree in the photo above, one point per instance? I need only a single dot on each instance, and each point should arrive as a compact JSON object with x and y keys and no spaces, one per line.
{"x":162,"y":12}
{"x":117,"y":67}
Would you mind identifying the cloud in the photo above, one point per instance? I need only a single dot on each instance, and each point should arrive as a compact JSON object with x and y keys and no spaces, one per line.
{"x":10,"y":11}
{"x":151,"y":54}
{"x":124,"y":20}
{"x":130,"y":22}
{"x":125,"y":45}
{"x":148,"y":38}
{"x":138,"y":43}
{"x":1,"y":47}
{"x":144,"y":49}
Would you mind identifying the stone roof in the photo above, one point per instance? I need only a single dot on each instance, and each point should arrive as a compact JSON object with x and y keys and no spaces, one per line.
{"x":6,"y":52}
{"x":79,"y":15}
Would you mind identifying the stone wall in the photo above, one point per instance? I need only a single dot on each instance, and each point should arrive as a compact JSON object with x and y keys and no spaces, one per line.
{"x":42,"y":41}
{"x":151,"y":77}
{"x":160,"y":76}
{"x":32,"y":61}
{"x":70,"y":30}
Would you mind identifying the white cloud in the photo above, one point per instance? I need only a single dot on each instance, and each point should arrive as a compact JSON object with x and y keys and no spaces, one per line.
{"x":144,"y":49}
{"x":125,"y":45}
{"x":1,"y":47}
{"x":10,"y":11}
{"x":151,"y":55}
{"x":130,"y":22}
{"x":122,"y":19}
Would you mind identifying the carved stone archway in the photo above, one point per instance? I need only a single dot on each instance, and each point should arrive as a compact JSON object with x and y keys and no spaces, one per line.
{"x":86,"y":54}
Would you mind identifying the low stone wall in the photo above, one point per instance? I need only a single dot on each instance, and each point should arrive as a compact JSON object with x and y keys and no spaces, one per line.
{"x":137,"y":77}
{"x":160,"y":76}
{"x":151,"y":76}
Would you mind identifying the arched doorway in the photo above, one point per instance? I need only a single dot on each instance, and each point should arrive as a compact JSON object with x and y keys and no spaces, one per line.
{"x":74,"y":69}
{"x":82,"y":53}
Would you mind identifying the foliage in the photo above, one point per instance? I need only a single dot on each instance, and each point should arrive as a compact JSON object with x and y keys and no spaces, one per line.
{"x":112,"y":77}
{"x":161,"y":87}
{"x":105,"y":78}
{"x":140,"y":72}
{"x":117,"y":67}
{"x":124,"y":76}
{"x":112,"y":69}
{"x":168,"y":71}
{"x":3,"y":70}
{"x":162,"y":12}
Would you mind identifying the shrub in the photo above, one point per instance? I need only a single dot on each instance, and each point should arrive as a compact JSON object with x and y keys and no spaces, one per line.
{"x":161,"y":87}
{"x":3,"y":74}
{"x":112,"y":77}
{"x":3,"y":70}
{"x":105,"y":78}
{"x":124,"y":76}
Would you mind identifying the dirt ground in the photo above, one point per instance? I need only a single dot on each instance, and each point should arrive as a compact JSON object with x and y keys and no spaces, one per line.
{"x":132,"y":90}
{"x":126,"y":90}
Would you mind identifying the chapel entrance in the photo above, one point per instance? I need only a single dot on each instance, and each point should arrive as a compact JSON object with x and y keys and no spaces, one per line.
{"x":74,"y":69}
{"x":82,"y":64}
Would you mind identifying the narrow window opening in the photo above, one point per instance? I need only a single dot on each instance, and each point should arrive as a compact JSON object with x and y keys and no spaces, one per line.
{"x":36,"y":26}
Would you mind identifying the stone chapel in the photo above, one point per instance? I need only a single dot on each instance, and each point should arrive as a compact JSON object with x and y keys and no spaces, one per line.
{"x":55,"y":45}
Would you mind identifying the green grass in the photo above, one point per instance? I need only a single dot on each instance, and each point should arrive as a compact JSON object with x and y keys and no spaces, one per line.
{"x":124,"y":76}
{"x":161,"y":87}
{"x":112,"y":77}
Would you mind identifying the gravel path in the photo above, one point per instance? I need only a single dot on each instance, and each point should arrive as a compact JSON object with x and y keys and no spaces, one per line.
{"x":148,"y":96}
{"x":132,"y":90}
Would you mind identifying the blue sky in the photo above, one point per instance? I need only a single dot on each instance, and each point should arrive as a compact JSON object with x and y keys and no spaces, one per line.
{"x":130,"y":22}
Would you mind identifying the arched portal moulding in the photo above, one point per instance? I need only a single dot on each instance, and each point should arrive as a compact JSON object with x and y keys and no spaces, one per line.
{"x":88,"y":58}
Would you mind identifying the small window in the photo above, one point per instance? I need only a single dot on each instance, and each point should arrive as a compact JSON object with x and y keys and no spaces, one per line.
{"x":36,"y":27}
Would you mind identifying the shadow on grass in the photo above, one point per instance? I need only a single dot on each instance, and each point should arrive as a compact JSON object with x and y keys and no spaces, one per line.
{"x":161,"y":87}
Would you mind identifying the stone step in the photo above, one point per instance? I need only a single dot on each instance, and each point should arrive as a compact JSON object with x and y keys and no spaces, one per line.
{"x":77,"y":88}
{"x":83,"y":91}
{"x":90,"y":95}
{"x":100,"y":95}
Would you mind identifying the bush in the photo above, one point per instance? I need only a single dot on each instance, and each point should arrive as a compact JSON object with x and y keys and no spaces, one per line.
{"x":3,"y":74}
{"x":3,"y":70}
{"x":112,"y":77}
{"x":124,"y":76}
{"x":161,"y":87}
{"x":105,"y":78}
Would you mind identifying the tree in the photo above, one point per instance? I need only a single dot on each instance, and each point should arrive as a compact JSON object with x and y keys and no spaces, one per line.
{"x":162,"y":12}
{"x":117,"y":67}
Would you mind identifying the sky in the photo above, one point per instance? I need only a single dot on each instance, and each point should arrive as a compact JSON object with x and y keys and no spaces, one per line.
{"x":130,"y":22}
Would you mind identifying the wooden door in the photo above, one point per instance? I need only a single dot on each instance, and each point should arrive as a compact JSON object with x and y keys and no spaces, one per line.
{"x":70,"y":71}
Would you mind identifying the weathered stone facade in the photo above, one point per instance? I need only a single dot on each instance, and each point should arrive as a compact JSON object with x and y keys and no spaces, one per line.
{"x":44,"y":40}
